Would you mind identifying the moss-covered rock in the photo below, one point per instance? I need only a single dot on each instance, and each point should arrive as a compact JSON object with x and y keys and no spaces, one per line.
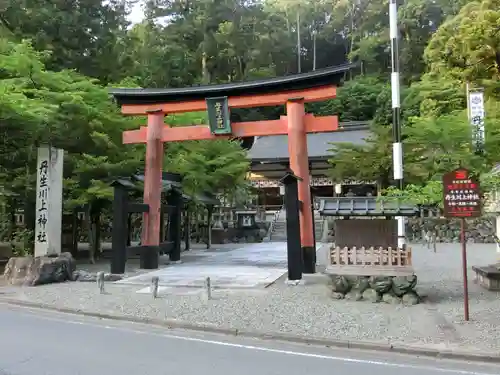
{"x":403,"y":284}
{"x":382,"y":284}
{"x":340,"y":284}
{"x":372,"y":295}
{"x":410,"y":298}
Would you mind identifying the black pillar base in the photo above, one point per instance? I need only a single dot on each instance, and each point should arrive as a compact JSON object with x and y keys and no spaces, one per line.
{"x":309,"y":259}
{"x":294,"y":253}
{"x":174,"y":255}
{"x":149,"y":257}
{"x":117,"y":268}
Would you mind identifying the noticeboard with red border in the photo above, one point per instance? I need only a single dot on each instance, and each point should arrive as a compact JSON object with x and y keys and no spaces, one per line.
{"x":461,"y":194}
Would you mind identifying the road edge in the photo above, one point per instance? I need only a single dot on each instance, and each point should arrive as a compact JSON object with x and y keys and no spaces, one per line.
{"x":291,"y":338}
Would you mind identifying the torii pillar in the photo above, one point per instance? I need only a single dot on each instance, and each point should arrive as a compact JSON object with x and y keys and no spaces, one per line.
{"x":153,"y":179}
{"x":299,"y":164}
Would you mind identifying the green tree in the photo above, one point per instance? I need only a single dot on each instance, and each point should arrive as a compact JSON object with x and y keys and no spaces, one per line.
{"x":213,"y":166}
{"x":360,"y":99}
{"x":369,"y":162}
{"x":63,"y":109}
{"x":155,"y":58}
{"x":467,"y":46}
{"x":84,"y":35}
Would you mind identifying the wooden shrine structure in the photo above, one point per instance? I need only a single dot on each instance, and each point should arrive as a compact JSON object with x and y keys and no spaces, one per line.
{"x":370,"y":247}
{"x":292,"y":91}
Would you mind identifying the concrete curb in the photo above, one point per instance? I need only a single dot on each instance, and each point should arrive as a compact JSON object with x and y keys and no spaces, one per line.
{"x":344,"y":344}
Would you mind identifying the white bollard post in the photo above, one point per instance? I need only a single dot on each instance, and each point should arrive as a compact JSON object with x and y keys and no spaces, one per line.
{"x":100,"y":281}
{"x":208,"y":286}
{"x":154,"y":286}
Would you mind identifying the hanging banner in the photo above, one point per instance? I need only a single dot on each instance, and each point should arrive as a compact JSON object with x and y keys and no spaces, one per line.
{"x":476,"y":118}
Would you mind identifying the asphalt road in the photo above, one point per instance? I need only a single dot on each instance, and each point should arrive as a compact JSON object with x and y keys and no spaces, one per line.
{"x":40,"y":342}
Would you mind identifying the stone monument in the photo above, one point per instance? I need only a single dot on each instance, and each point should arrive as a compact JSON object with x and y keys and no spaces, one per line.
{"x":49,"y":187}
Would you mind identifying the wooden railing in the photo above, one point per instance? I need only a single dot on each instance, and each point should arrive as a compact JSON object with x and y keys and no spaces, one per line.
{"x":370,"y":261}
{"x":371,"y":256}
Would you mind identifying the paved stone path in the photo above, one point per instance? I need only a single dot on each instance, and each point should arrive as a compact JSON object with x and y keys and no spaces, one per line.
{"x":249,"y":266}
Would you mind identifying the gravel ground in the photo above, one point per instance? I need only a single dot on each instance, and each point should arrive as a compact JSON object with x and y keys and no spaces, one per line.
{"x":308,"y":310}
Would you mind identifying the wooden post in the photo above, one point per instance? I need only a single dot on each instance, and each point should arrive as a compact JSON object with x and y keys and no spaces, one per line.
{"x":187,"y":229}
{"x":119,"y":235}
{"x":129,"y":229}
{"x":162,"y":227}
{"x":98,"y":237}
{"x":313,"y":222}
{"x":299,"y":163}
{"x":152,"y":179}
{"x":463,"y":240}
{"x":175,"y":225}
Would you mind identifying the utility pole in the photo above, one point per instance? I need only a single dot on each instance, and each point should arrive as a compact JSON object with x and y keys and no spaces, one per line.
{"x":397,"y":149}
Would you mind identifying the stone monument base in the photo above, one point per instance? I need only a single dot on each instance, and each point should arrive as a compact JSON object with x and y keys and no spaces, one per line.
{"x":32,"y":271}
{"x":488,"y":276}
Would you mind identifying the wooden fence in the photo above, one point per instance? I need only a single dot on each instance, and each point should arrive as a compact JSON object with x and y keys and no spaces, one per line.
{"x":370,"y":256}
{"x":371,"y":261}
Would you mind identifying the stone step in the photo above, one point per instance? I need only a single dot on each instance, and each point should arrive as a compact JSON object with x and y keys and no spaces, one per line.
{"x":279,"y":231}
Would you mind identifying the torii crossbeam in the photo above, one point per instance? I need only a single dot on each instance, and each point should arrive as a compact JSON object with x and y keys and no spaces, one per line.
{"x":292,"y":91}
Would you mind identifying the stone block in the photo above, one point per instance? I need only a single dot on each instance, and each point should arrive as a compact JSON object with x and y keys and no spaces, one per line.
{"x":488,"y":276}
{"x":40,"y":270}
{"x":388,"y":289}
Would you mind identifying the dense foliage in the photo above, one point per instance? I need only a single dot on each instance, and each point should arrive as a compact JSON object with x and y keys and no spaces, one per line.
{"x":460,"y":45}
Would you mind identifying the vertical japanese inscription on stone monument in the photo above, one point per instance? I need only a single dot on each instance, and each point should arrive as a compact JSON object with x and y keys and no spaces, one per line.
{"x":219,"y":115}
{"x":48,"y":210}
{"x":42,"y":201}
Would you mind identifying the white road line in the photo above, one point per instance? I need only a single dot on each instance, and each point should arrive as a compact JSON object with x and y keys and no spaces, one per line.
{"x":262,"y":349}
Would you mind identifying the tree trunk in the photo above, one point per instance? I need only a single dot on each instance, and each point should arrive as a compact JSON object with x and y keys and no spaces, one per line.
{"x":209,"y":226}
{"x":93,"y":230}
{"x":74,"y":233}
{"x":204,"y":69}
{"x":90,"y":234}
{"x":314,"y":50}
{"x":29,"y":221}
{"x":299,"y":62}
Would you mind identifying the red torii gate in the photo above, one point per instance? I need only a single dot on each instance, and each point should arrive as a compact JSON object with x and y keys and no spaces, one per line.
{"x":293,"y":91}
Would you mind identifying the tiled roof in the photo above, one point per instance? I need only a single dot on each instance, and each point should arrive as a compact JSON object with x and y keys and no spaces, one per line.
{"x":364,"y":206}
{"x":318,"y":144}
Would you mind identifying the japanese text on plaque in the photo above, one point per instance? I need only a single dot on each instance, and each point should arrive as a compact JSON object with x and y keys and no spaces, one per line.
{"x":461,"y":195}
{"x":219,"y":115}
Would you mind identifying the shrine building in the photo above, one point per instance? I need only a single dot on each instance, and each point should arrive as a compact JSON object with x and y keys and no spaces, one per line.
{"x":270,"y":160}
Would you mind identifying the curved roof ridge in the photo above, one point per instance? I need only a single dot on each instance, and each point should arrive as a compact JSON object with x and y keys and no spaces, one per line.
{"x":321,"y":77}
